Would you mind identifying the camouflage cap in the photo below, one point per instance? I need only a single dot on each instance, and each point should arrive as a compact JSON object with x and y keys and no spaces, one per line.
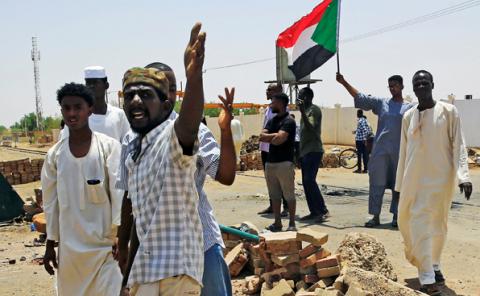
{"x":150,"y":76}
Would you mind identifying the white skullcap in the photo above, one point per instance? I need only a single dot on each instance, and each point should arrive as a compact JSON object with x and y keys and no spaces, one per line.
{"x":95,"y":72}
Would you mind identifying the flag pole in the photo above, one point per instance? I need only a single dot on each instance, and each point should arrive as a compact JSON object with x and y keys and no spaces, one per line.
{"x":338,"y":34}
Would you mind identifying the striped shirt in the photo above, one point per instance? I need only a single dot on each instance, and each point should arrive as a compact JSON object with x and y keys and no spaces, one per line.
{"x":165,"y":206}
{"x":208,"y":158}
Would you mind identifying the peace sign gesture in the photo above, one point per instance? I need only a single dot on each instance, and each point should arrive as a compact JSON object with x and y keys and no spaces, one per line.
{"x":226,"y":115}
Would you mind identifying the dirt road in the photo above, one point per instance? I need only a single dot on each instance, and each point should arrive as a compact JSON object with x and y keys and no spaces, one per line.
{"x":347,"y":203}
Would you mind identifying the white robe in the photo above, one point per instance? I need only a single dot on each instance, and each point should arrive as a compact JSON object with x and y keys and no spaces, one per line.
{"x":82,"y":217}
{"x":432,"y":159}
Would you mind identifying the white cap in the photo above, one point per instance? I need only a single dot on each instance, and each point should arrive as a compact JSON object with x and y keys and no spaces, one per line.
{"x":95,"y":72}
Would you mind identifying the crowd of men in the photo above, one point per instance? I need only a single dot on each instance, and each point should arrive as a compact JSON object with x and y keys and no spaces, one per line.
{"x":123,"y":189}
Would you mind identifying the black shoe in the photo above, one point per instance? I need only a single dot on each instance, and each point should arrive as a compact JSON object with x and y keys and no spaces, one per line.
{"x":308,"y":217}
{"x":372,"y":223}
{"x":284,"y":213}
{"x":274,"y":228}
{"x":357,"y":171}
{"x":266,"y":211}
{"x":439,"y":279}
{"x":430,"y":289}
{"x":365,"y":171}
{"x":394,"y":224}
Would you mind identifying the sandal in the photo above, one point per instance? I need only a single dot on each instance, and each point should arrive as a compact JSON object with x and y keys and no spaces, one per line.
{"x":439,"y":279}
{"x":431,"y":289}
{"x":274,"y":228}
{"x":372,"y":223}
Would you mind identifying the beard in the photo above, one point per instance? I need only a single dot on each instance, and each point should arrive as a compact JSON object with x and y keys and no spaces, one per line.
{"x":153,"y":123}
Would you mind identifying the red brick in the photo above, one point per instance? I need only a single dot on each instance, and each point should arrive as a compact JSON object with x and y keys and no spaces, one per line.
{"x":286,"y":259}
{"x":282,"y":289}
{"x":279,"y":237}
{"x":328,"y":272}
{"x":323,"y":253}
{"x":310,"y":278}
{"x":312,"y":259}
{"x":237,"y":266}
{"x":287,"y":248}
{"x":236,"y":259}
{"x":258,"y":270}
{"x":307,"y":251}
{"x":314,"y":237}
{"x":330,"y":261}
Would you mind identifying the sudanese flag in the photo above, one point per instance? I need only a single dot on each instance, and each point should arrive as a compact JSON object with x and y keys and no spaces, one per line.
{"x":312,"y":40}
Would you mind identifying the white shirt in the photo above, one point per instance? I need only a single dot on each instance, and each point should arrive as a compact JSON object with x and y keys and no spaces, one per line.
{"x":113,"y":123}
{"x":83,"y":216}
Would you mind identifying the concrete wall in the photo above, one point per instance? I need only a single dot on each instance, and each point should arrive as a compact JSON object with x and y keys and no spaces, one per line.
{"x":337,"y":124}
{"x":469,"y":111}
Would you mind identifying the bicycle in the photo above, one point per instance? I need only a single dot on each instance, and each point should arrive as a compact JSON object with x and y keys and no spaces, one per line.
{"x":348,"y":158}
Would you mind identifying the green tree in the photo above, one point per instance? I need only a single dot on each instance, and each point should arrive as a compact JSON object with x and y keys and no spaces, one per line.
{"x":28,"y":121}
{"x":2,"y":129}
{"x":51,"y":122}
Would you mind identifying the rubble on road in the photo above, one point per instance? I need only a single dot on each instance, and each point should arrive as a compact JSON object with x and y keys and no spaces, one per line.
{"x":366,"y":252}
{"x":363,"y":282}
{"x":280,"y":264}
{"x":330,"y":160}
{"x":297,"y":263}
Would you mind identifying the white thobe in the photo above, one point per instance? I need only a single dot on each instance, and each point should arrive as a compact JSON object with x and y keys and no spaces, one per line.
{"x":432,"y":159}
{"x":83,"y":217}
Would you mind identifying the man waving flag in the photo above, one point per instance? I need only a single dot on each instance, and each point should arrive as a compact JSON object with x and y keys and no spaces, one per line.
{"x":312,"y":40}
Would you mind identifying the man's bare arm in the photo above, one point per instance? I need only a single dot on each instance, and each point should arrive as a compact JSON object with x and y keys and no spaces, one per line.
{"x":228,"y":158}
{"x":191,"y":112}
{"x":351,"y":90}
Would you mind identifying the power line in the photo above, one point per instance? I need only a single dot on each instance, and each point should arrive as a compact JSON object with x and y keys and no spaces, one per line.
{"x":239,"y":64}
{"x":420,"y":19}
{"x":417,"y":20}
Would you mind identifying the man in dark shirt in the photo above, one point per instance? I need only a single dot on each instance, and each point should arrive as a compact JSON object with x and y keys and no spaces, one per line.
{"x":280,"y":168}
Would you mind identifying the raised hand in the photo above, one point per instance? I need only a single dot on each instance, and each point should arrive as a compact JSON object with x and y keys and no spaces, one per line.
{"x":340,"y":78}
{"x":195,"y":53}
{"x":466,"y":188}
{"x":226,"y":115}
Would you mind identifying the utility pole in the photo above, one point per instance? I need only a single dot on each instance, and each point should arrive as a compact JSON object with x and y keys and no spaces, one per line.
{"x":36,"y":74}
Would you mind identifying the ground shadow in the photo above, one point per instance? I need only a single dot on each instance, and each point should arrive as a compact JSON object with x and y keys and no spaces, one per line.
{"x":384,"y":226}
{"x":446,"y":291}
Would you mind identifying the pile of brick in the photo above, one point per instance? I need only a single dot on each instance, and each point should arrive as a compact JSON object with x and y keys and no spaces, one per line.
{"x":250,"y":155}
{"x":21,"y":171}
{"x":330,"y":160}
{"x":250,"y":145}
{"x":282,"y":265}
{"x":251,"y":161}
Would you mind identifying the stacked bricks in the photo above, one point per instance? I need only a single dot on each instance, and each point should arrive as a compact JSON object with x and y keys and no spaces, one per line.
{"x":297,"y":258}
{"x":236,"y":259}
{"x":251,"y":161}
{"x":21,"y":171}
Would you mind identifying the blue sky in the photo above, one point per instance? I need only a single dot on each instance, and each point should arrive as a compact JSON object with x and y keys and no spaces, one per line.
{"x":121,"y":34}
